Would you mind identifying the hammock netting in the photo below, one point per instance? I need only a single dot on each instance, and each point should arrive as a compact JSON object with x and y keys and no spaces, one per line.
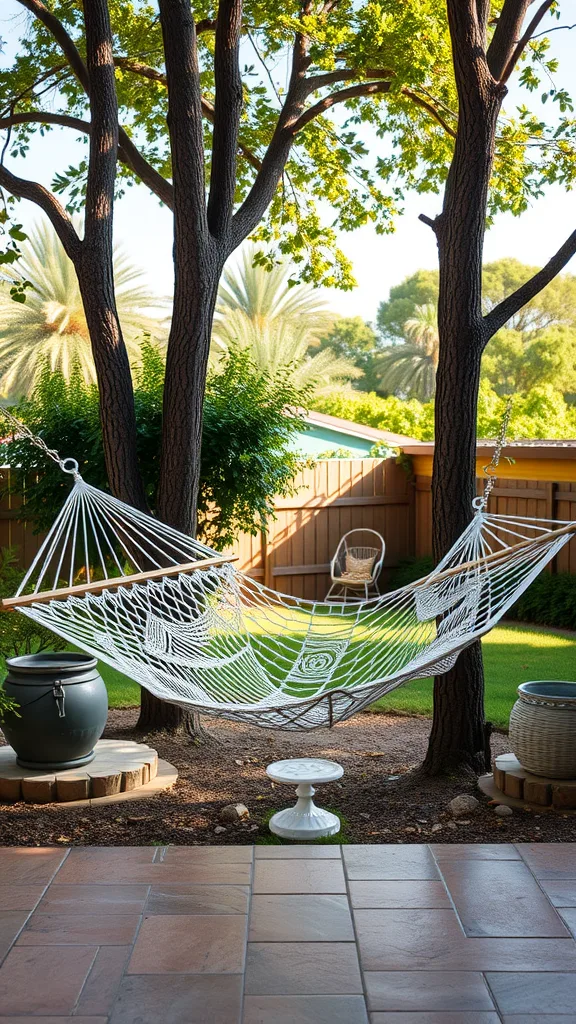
{"x":217,"y":641}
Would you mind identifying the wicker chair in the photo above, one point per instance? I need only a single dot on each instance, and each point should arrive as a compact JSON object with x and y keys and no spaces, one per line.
{"x":356,"y":566}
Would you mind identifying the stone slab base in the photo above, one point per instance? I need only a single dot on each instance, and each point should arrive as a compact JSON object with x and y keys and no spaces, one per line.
{"x":511,"y":784}
{"x":121,"y":770}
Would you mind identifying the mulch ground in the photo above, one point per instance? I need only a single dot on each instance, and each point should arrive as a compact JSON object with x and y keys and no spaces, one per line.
{"x":231,"y":767}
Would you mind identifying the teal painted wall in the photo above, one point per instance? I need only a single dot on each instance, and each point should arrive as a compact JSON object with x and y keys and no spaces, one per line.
{"x":317,"y":440}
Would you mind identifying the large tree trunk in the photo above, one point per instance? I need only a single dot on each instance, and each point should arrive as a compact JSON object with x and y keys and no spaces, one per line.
{"x":117,"y":413}
{"x":198,"y":262}
{"x":457,"y":741}
{"x":94,"y":264}
{"x":186,"y":367}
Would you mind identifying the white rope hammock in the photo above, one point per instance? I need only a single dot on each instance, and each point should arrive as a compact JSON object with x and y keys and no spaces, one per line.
{"x":183,"y":622}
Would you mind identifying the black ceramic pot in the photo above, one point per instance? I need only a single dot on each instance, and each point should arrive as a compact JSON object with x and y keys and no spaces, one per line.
{"x":63,"y":706}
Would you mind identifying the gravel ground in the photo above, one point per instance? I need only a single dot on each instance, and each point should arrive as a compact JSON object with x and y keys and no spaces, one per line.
{"x":231,"y":768}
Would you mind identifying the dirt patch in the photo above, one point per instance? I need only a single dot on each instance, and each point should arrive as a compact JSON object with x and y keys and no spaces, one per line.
{"x":231,"y":768}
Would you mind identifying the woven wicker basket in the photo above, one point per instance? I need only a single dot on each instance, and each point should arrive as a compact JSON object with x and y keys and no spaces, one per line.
{"x":543,"y":728}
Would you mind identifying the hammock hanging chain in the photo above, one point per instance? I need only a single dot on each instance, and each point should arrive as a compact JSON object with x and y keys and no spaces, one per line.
{"x":66,"y":465}
{"x":490,"y":470}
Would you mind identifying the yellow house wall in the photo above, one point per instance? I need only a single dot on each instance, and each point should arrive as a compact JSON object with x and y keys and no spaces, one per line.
{"x":522,"y":469}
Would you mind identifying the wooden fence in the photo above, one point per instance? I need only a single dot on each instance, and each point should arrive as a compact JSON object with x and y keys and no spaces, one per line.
{"x":538,"y":499}
{"x":14,"y":533}
{"x":333,"y":497}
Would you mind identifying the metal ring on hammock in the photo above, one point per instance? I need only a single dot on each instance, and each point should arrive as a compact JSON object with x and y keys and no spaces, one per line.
{"x":69,"y":466}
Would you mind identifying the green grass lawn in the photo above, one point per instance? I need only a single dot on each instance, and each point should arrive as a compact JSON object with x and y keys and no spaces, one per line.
{"x":512,"y":655}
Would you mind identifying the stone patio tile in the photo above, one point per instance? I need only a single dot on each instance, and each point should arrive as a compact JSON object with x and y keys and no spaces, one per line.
{"x":35,"y":864}
{"x":560,"y":891}
{"x":475,"y":851}
{"x":431,"y":1017}
{"x":125,"y":870}
{"x":430,"y":940}
{"x":11,"y":922}
{"x":500,"y":898}
{"x":104,"y":864}
{"x":99,"y":992}
{"x":389,"y":862}
{"x":550,"y":860}
{"x":190,"y":944}
{"x":403,"y":895}
{"x":53,"y":1020}
{"x":304,"y":1010}
{"x":198,"y":899}
{"x":180,"y":999}
{"x":432,"y":990}
{"x":539,"y":1018}
{"x":93,"y":899}
{"x":299,"y":876}
{"x":305,"y":851}
{"x":33,"y":981}
{"x":533,"y":993}
{"x":302,"y":968}
{"x":79,"y":930}
{"x":568,"y":915}
{"x":20,"y":897}
{"x":309,"y":918}
{"x":402,"y":939}
{"x":207,"y":855}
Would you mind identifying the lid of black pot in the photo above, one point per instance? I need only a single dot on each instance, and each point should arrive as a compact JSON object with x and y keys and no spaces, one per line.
{"x":549,"y":689}
{"x":60,"y":665}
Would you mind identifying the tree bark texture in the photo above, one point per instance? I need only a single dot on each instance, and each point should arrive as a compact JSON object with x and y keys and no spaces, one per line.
{"x":159,"y":716}
{"x":199,"y":253}
{"x":95,"y":268}
{"x":457,"y":737}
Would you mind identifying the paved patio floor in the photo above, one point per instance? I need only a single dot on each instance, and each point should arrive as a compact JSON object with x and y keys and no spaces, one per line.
{"x":289,"y":935}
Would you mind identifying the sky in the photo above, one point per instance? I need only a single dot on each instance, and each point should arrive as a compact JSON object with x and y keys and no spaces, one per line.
{"x":144,"y":228}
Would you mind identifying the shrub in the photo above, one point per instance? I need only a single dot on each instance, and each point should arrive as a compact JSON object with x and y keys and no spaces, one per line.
{"x":541,"y":412}
{"x":19,"y":634}
{"x":247,"y":452}
{"x":409,"y":570}
{"x":549,"y":601}
{"x":335,"y":453}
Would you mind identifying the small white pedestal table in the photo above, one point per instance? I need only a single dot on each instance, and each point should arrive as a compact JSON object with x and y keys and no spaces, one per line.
{"x":304,"y":820}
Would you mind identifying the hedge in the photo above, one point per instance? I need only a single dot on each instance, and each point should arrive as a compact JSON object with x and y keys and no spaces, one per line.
{"x":549,"y":601}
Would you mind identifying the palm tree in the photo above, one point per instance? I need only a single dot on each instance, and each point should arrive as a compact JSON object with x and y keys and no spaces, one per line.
{"x":410,"y":367}
{"x":258,"y":310}
{"x":51,"y":327}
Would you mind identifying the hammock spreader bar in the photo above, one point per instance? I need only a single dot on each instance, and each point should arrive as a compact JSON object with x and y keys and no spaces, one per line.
{"x":23,"y":600}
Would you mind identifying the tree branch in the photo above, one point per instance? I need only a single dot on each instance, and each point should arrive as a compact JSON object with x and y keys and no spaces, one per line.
{"x":44,"y":199}
{"x":62,"y":37}
{"x":185,"y":116}
{"x":316,"y":82}
{"x":506,"y":34}
{"x":227,"y":111}
{"x":262,"y":192}
{"x":426,"y":105}
{"x":523,"y":42}
{"x":104,"y":125}
{"x":205,"y":25}
{"x":132,"y":156}
{"x":468,"y":53}
{"x":429,"y":221}
{"x":43,"y":117}
{"x":501,"y":313}
{"x":134,"y":66}
{"x":362,"y":89}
